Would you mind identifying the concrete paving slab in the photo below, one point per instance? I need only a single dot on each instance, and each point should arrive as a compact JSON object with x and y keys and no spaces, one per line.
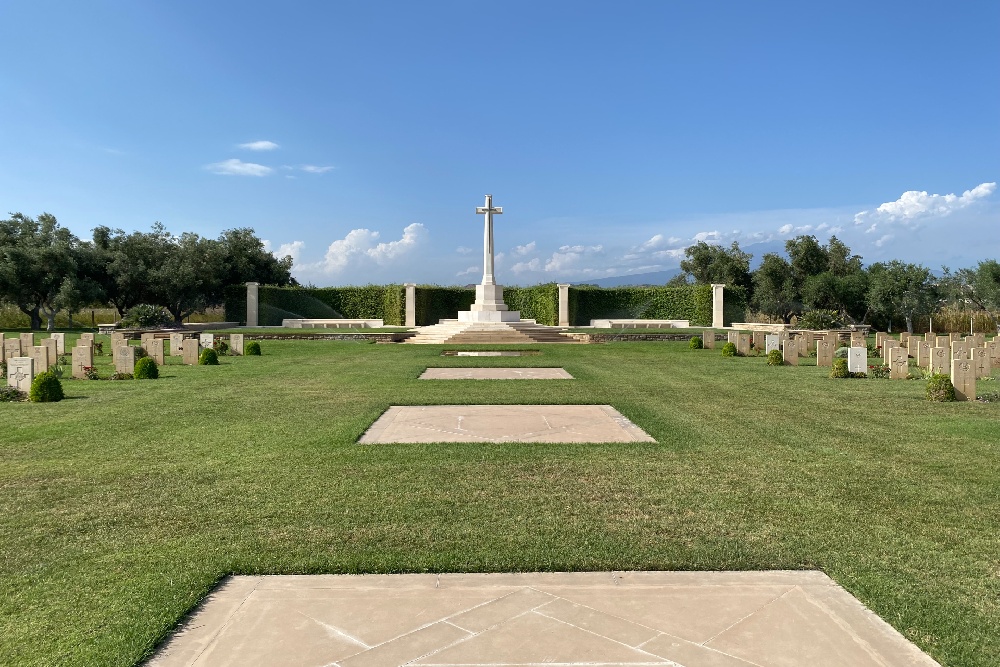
{"x":495,"y":374}
{"x":569,"y":619}
{"x":490,"y":353}
{"x":503,"y":423}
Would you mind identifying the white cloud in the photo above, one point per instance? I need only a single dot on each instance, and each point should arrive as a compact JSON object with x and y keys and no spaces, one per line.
{"x":294,"y":249}
{"x":524,"y":249}
{"x":916,"y":204}
{"x":785,"y":229}
{"x":532,"y":265}
{"x":567,"y":257}
{"x":462,"y":250}
{"x":882,"y":241}
{"x":706,"y":236}
{"x":412,"y":235}
{"x":234,"y":167}
{"x":258,"y":146}
{"x":469,"y":271}
{"x":359,"y":246}
{"x":313,"y":169}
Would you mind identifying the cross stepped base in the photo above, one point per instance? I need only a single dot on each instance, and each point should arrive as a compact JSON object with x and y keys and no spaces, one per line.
{"x":454,"y":332}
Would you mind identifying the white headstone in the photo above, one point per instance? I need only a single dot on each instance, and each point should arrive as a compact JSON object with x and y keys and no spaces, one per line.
{"x":772,"y":342}
{"x":857,"y":360}
{"x":176,"y":344}
{"x":206,"y":341}
{"x":20,"y":373}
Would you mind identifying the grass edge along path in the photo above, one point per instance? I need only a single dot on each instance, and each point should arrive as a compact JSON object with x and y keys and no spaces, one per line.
{"x":123,"y":505}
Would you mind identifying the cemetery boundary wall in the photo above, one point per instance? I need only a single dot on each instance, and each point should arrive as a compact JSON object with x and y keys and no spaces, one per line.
{"x":434,"y":303}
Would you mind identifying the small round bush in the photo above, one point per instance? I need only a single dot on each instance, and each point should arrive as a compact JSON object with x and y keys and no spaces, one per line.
{"x":117,"y":375}
{"x":252,"y":349}
{"x":775,"y":358}
{"x":696,"y":343}
{"x":146,"y":369}
{"x":940,"y":388}
{"x":729,"y":350}
{"x":839,"y":369}
{"x":208,"y":358}
{"x":221,"y":347}
{"x":46,"y":388}
{"x":842,"y":352}
{"x":10,"y":394}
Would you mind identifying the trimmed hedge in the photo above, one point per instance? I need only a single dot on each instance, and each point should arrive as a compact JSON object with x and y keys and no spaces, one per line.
{"x":278,"y":303}
{"x":434,"y":303}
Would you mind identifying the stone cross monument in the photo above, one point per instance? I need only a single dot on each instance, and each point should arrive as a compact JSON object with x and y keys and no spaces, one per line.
{"x":489,"y":305}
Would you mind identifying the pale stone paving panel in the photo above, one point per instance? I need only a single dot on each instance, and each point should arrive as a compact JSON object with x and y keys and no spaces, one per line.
{"x":503,"y":423}
{"x":694,"y":619}
{"x":495,"y":374}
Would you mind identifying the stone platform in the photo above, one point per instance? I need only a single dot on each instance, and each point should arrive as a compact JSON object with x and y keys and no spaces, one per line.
{"x":455,"y":332}
{"x":593,"y":619}
{"x":495,"y":374}
{"x":503,"y":423}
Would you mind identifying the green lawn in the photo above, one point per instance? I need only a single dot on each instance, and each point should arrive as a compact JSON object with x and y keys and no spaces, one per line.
{"x":121,"y":506}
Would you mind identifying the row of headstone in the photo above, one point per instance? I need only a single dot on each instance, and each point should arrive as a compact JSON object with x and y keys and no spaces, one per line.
{"x":24,"y":344}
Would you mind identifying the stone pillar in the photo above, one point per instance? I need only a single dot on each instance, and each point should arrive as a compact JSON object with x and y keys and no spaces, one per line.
{"x":717,"y":314}
{"x":252,"y":304}
{"x":411,"y":304}
{"x":563,"y":304}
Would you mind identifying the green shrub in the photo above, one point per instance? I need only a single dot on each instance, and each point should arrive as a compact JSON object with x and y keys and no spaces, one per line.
{"x":221,"y":347}
{"x":3,"y":368}
{"x":90,"y":372}
{"x":120,"y":376}
{"x":146,"y":316}
{"x":839,"y":369}
{"x":841,"y":352}
{"x":775,"y":358}
{"x":208,"y":358}
{"x":146,"y":369}
{"x":729,"y":350}
{"x":10,"y":394}
{"x":940,"y":388}
{"x":878,"y":371}
{"x":46,"y":388}
{"x":820,"y":319}
{"x":696,"y":343}
{"x":252,"y":349}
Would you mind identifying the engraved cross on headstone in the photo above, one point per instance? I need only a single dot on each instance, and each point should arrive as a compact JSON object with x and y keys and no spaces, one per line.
{"x":489,"y":211}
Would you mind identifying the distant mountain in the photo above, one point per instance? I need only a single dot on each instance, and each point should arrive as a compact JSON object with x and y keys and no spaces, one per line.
{"x":655,"y":278}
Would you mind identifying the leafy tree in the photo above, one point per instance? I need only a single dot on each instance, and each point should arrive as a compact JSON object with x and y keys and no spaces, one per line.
{"x":807,"y":258}
{"x":129,"y":261}
{"x":190,"y":277}
{"x":714,"y":264}
{"x":828,"y":277}
{"x":774,"y":288}
{"x":979,"y":286}
{"x":39,"y":267}
{"x":245,"y":260}
{"x":898,"y":289}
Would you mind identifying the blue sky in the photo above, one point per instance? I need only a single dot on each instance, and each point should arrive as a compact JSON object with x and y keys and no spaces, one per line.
{"x":359,"y":136}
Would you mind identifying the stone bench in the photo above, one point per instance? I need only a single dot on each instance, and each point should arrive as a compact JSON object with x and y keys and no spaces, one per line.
{"x":640,"y":324}
{"x":332,"y":324}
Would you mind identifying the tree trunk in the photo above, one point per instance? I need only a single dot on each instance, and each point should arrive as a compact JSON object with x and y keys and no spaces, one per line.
{"x":32,"y":313}
{"x":909,"y":324}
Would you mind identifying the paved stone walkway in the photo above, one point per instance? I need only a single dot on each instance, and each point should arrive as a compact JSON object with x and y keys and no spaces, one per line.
{"x":495,"y":374}
{"x":594,"y":619}
{"x":503,"y":423}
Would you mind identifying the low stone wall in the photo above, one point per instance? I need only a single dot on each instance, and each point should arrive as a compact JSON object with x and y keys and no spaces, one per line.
{"x":634,"y":337}
{"x":395,"y":337}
